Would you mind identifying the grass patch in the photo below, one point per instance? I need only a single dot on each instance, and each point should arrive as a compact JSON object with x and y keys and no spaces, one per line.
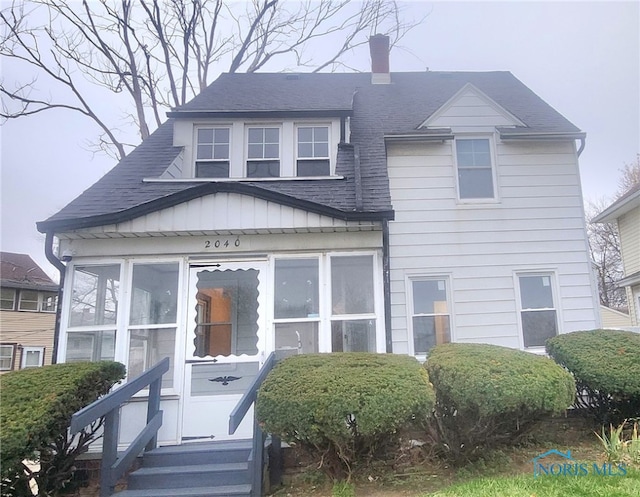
{"x":527,"y":486}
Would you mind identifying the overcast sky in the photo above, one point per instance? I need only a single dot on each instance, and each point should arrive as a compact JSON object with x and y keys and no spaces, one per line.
{"x":583,"y":58}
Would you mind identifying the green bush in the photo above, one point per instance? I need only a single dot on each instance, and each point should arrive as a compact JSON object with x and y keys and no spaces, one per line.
{"x":606,"y":367}
{"x":487,"y":395}
{"x":35,"y":413}
{"x":344,"y":408}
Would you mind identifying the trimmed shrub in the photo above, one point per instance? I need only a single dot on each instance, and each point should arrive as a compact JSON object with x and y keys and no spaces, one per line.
{"x":606,"y":367}
{"x":344,"y":408}
{"x":35,"y":413}
{"x":487,"y":395}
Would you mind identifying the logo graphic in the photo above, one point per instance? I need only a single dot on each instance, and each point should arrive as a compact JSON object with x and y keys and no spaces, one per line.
{"x":568,"y":466}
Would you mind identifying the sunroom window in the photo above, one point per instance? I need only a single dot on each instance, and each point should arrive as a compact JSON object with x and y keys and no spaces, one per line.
{"x":93,"y":313}
{"x":297,"y":305}
{"x":212,"y":152}
{"x":263,"y":152}
{"x":7,"y":299}
{"x":353,"y":320}
{"x":313,"y":151}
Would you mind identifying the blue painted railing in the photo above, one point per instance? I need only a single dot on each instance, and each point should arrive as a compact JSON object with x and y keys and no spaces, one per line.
{"x":113,"y":465}
{"x":256,"y":460}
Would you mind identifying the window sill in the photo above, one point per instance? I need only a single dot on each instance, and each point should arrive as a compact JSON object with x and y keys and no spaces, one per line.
{"x":239,"y":180}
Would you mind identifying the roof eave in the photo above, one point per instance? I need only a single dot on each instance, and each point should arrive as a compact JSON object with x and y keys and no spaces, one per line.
{"x":272,"y":114}
{"x":631,"y":280}
{"x":510,"y":134}
{"x":618,"y":208}
{"x":59,"y":226}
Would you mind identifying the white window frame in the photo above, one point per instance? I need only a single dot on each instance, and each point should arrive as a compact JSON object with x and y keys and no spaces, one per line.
{"x":409,"y":281}
{"x":214,"y":127}
{"x":279,"y":159}
{"x":12,"y":357}
{"x":552,"y":275}
{"x":330,"y":145}
{"x":23,"y":360}
{"x":21,"y":300}
{"x":492,"y":154}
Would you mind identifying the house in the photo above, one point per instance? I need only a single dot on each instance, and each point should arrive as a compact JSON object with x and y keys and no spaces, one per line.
{"x":28,"y":305}
{"x":383,"y":212}
{"x":625,"y":212}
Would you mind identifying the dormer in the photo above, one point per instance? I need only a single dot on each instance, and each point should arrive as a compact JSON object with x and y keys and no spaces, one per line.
{"x":251,"y":147}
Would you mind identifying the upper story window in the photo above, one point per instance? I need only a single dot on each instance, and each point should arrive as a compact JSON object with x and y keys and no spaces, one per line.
{"x":313,"y":151}
{"x":32,"y":300}
{"x":475,"y":170}
{"x":263,"y":152}
{"x":7,"y":299}
{"x":212,"y":152}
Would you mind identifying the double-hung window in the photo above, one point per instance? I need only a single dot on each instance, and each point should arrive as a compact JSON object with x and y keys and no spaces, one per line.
{"x":475,"y":170}
{"x":93,"y":314}
{"x":538,"y":311}
{"x":431,"y":314}
{"x":28,"y":300}
{"x":7,"y":352}
{"x":297,"y":304}
{"x":313,"y":151}
{"x":7,"y":299}
{"x":263,"y":152}
{"x":212,"y":152}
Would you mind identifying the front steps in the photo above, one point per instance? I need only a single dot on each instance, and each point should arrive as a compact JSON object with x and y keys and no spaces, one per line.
{"x":202,"y":469}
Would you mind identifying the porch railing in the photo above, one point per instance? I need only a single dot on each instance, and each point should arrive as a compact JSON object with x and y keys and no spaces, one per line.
{"x":256,"y":459}
{"x":114,"y":465}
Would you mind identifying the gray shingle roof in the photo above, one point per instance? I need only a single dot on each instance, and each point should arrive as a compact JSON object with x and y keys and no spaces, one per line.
{"x":376,"y":110}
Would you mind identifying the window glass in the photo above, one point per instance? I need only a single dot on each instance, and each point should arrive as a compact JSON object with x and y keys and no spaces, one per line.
{"x":49,"y":301}
{"x":352,"y":285}
{"x":147,"y":347}
{"x":431,"y":316}
{"x":302,"y":337}
{"x":313,"y":142}
{"x":94,"y":298}
{"x":32,"y":357}
{"x":6,"y":357}
{"x":353,"y":336}
{"x":28,"y":300}
{"x":154,"y":294}
{"x":91,"y":346}
{"x":296,"y":288}
{"x":213,"y":143}
{"x":263,"y":143}
{"x":539,"y":317}
{"x":7,"y":298}
{"x":475,"y":176}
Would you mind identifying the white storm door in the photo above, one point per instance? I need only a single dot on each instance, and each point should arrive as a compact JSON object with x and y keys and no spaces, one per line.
{"x":225,"y":346}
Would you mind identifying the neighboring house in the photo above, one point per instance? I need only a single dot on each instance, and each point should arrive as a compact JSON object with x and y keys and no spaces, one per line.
{"x":325,"y":212}
{"x":613,"y":318}
{"x":626,"y":213}
{"x":28,"y":306}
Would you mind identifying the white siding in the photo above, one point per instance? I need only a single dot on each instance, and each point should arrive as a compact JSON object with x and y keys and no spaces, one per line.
{"x":537,"y":224}
{"x":629,"y":227}
{"x":221,"y":213}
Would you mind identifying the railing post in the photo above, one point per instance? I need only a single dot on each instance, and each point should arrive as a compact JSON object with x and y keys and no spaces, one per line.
{"x":109,"y":452}
{"x":153,"y":406}
{"x":276,"y":463}
{"x":258,"y":458}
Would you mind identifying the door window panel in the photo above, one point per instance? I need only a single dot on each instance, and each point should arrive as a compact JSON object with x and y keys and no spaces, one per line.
{"x":226,"y":313}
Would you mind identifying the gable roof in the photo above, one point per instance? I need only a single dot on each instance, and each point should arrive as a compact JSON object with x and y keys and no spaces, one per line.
{"x":374,"y":110}
{"x":20,"y":271}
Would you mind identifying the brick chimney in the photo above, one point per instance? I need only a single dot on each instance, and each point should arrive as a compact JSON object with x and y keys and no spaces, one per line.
{"x":379,"y":49}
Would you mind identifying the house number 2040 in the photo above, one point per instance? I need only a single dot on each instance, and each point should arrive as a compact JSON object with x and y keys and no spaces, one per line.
{"x":222,"y":243}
